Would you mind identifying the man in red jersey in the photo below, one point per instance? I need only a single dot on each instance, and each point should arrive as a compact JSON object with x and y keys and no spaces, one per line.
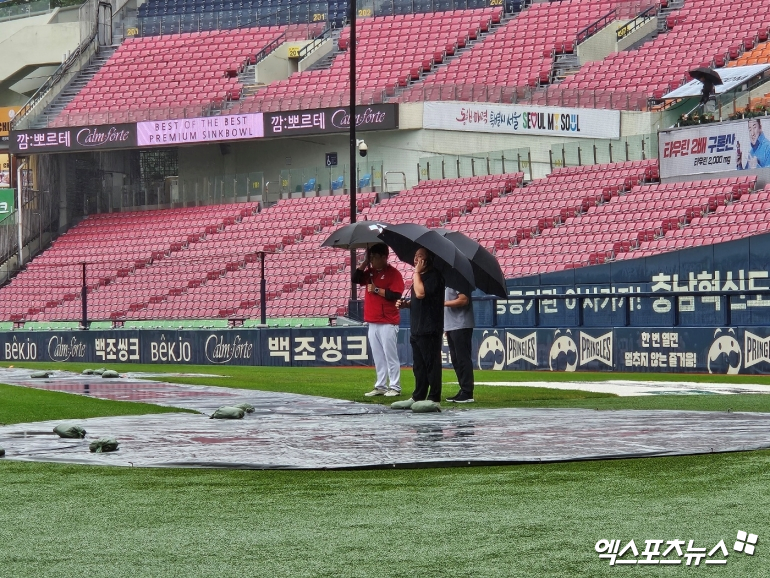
{"x":384,"y":285}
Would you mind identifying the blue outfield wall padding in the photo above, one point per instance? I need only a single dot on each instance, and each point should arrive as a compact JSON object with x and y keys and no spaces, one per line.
{"x":714,"y":349}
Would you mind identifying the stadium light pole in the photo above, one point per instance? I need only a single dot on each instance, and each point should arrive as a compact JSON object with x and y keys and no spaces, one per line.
{"x":353,"y":147}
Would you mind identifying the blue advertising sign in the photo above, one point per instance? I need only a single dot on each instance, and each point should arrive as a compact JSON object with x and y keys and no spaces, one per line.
{"x":714,"y":349}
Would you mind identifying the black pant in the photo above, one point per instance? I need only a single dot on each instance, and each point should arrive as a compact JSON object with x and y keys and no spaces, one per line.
{"x":460,"y":350}
{"x":426,"y":351}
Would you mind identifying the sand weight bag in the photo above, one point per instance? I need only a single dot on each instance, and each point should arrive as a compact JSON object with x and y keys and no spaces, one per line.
{"x":68,"y":430}
{"x":228,"y":412}
{"x":103,"y":445}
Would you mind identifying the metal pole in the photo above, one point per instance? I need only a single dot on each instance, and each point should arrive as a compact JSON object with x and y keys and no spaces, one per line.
{"x":262,"y":290}
{"x":19,"y":211}
{"x":529,"y":163}
{"x":353,"y":145}
{"x":84,"y":300}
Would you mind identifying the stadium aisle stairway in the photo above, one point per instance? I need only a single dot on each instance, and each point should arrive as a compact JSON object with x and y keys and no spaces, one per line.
{"x":391,"y":52}
{"x":520,"y":53}
{"x":174,"y":76}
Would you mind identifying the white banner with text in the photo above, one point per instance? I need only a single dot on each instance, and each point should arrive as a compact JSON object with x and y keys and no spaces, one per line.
{"x":515,"y":119}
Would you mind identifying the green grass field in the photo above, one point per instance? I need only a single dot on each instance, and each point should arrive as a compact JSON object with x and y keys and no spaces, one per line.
{"x":527,"y":521}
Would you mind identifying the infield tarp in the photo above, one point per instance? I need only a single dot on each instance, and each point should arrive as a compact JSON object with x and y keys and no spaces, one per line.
{"x":290,"y":431}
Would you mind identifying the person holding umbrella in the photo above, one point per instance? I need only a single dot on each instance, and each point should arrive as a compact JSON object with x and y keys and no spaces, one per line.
{"x":384,"y":286}
{"x":458,"y":325}
{"x":709,"y":78}
{"x":427,"y":328}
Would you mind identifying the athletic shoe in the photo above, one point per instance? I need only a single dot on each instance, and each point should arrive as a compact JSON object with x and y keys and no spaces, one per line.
{"x":403,"y":404}
{"x":454,"y":396}
{"x":463,"y":397}
{"x":392,"y":393}
{"x":376,"y":392}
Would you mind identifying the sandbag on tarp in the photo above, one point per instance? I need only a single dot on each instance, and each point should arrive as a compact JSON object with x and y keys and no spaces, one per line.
{"x":103,"y":445}
{"x":110,"y":373}
{"x":247,"y":407}
{"x":41,"y":375}
{"x":88,"y":372}
{"x":69,"y":430}
{"x":99,"y":371}
{"x":425,"y":406}
{"x":228,"y":412}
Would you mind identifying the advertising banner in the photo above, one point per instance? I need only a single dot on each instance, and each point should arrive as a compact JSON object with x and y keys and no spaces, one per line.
{"x":7,"y":205}
{"x":5,"y":171}
{"x":715,"y":147}
{"x":731,"y":78}
{"x":7,"y":114}
{"x":69,"y":139}
{"x":279,"y":347}
{"x":716,"y":350}
{"x":515,"y":119}
{"x":331,"y":120}
{"x":200,"y":130}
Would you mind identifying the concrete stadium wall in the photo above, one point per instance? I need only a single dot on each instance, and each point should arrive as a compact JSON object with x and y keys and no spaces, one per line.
{"x":605,"y":42}
{"x":37,"y":44}
{"x":11,"y":27}
{"x":398,"y":150}
{"x":277,"y":65}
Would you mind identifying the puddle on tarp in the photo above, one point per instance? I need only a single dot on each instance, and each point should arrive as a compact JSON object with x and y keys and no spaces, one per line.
{"x":296,"y":431}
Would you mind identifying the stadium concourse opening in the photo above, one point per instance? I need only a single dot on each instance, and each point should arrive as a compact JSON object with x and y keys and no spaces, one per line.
{"x":290,"y":431}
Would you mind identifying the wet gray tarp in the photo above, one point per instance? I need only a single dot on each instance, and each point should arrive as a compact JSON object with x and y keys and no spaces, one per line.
{"x":295,"y":431}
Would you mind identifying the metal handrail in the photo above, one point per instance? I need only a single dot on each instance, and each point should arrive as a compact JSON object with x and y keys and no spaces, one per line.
{"x":316,"y":42}
{"x":637,"y":22}
{"x":594,"y":27}
{"x":52,"y":81}
{"x":262,"y":54}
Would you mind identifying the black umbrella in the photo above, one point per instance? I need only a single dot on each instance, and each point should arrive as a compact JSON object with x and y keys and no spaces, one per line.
{"x":706,"y":74}
{"x":449,"y":260}
{"x":358,"y":235}
{"x":486,"y":270}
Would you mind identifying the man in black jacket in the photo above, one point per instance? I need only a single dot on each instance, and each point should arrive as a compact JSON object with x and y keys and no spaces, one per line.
{"x":427,"y":328}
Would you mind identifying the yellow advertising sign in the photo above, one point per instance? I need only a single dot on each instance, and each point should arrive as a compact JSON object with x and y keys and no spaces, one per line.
{"x":6,"y":115}
{"x":5,"y":171}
